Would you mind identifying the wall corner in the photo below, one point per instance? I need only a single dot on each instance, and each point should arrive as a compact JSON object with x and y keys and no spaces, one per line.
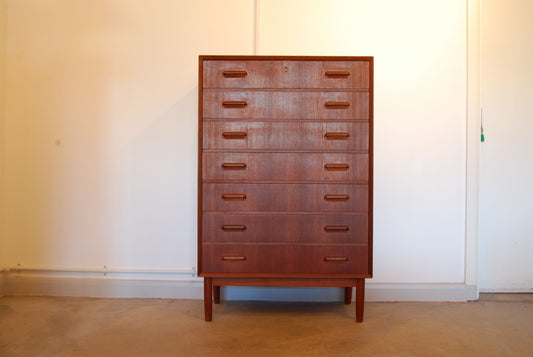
{"x":472,"y":143}
{"x":3,"y":43}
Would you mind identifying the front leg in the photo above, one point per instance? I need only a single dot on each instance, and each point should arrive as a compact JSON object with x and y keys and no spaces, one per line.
{"x":208,"y":298}
{"x":359,"y":300}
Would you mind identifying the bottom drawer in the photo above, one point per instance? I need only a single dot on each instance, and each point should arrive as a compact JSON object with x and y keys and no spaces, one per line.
{"x":285,"y":259}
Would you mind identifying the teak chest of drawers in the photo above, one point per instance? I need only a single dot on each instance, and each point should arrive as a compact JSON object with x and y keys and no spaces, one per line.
{"x":285,"y":173}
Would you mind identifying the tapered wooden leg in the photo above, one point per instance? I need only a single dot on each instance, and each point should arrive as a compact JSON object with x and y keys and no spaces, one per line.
{"x":348,"y":295}
{"x":359,"y":300}
{"x":208,"y":301}
{"x":216,"y":294}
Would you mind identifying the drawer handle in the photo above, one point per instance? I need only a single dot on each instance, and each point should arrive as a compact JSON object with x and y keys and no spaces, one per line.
{"x":233,"y":258}
{"x":233,"y":196}
{"x":337,"y":74}
{"x":233,"y":227}
{"x":336,"y":259}
{"x":234,"y":74}
{"x":234,"y":135}
{"x":234,"y":166}
{"x":337,"y":105}
{"x":337,"y":136}
{"x":234,"y":104}
{"x":336,"y":167}
{"x":336,"y":197}
{"x":336,"y":228}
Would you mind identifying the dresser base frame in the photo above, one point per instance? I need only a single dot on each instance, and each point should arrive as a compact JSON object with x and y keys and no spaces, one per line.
{"x":212,"y":289}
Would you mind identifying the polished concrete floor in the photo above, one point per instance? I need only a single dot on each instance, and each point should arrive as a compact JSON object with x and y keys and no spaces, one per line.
{"x":497,"y":325}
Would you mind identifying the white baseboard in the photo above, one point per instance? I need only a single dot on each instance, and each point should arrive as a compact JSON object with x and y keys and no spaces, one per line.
{"x":505,"y":290}
{"x":373,"y":292}
{"x":421,"y":292}
{"x":186,"y":287}
{"x":17,"y":284}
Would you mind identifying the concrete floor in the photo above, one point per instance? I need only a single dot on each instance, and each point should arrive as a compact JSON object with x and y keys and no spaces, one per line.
{"x":497,"y":325}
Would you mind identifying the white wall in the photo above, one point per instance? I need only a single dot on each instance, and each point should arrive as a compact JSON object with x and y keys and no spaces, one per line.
{"x":419,"y":117}
{"x":506,"y":172}
{"x":100,"y":160}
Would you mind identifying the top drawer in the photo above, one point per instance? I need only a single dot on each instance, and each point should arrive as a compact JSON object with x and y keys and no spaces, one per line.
{"x":286,"y":74}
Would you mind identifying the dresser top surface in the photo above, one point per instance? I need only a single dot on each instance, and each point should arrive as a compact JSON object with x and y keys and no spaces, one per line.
{"x":286,"y":58}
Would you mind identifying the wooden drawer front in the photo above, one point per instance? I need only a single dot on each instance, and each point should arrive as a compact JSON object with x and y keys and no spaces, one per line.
{"x":285,"y":228}
{"x":266,"y":197}
{"x":286,"y":74}
{"x":285,"y":259}
{"x":283,"y":135}
{"x":285,"y":167}
{"x":229,"y":104}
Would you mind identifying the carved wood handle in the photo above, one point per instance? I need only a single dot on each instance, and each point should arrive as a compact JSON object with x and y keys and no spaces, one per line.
{"x":337,"y":105}
{"x":336,"y":259}
{"x":233,"y":258}
{"x":337,"y":74}
{"x":336,"y":167}
{"x":234,"y":104}
{"x":233,"y":196}
{"x":336,"y":197}
{"x":234,"y":74}
{"x":337,"y":136}
{"x":234,"y":135}
{"x":233,"y":227}
{"x":233,"y":165}
{"x":336,"y":228}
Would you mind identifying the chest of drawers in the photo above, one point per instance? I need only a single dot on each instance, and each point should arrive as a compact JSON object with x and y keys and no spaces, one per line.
{"x":285,"y":173}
